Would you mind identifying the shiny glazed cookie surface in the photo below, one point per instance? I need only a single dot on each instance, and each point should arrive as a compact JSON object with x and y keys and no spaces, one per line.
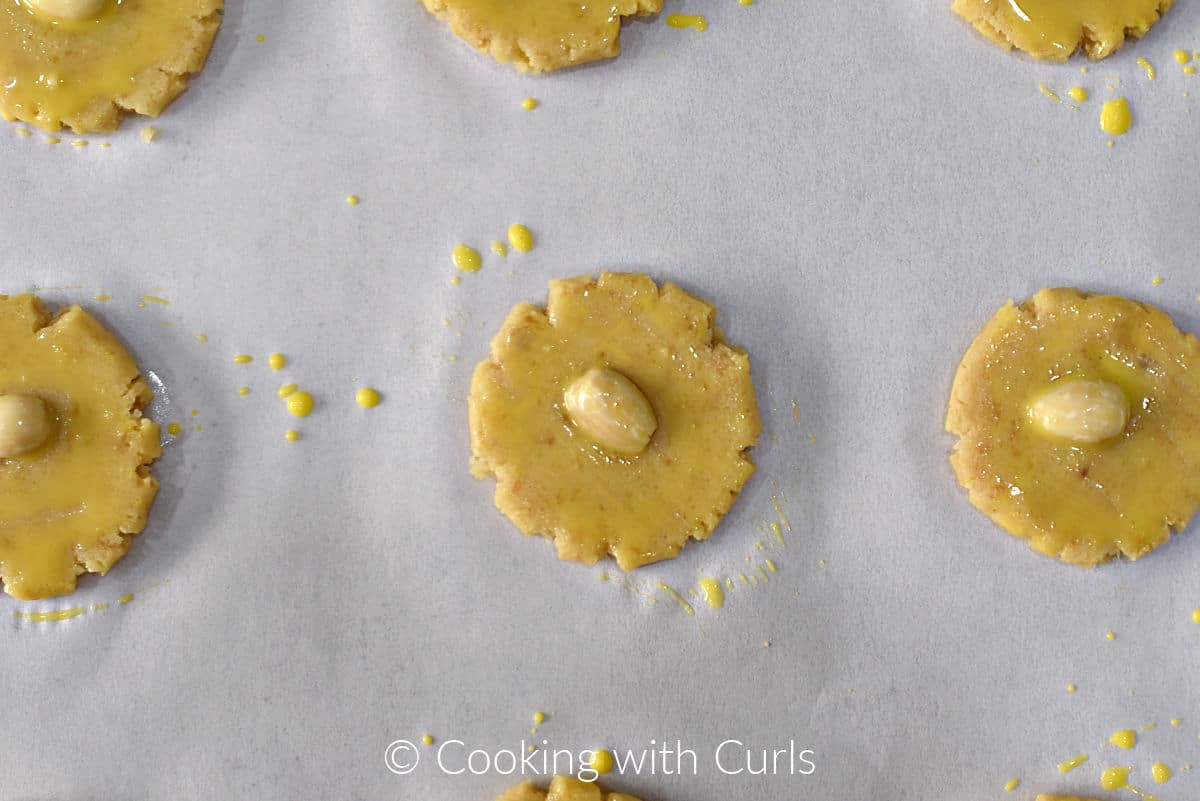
{"x":130,"y":56}
{"x":71,"y":500}
{"x":562,"y":788}
{"x":1054,"y":29}
{"x":598,"y":477}
{"x":1078,"y":419}
{"x":541,"y":35}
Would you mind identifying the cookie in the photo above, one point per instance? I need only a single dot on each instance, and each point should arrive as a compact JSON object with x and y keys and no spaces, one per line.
{"x":1052,"y":30}
{"x":541,"y":35}
{"x":88,"y":72}
{"x":615,"y":421}
{"x":75,"y":450}
{"x":562,"y":788}
{"x":1078,"y":419}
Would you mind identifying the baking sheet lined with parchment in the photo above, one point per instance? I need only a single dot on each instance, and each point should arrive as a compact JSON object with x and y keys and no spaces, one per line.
{"x":856,"y":190}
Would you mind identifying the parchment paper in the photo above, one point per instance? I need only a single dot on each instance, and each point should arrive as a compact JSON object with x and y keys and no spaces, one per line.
{"x":857,"y":188}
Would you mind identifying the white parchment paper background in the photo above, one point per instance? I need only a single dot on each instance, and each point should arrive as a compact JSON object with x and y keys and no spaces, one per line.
{"x":857,"y":187}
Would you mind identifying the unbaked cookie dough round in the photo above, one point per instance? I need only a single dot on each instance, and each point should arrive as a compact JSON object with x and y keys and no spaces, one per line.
{"x":72,"y":497}
{"x":1052,"y":30}
{"x":562,"y":788}
{"x":1078,"y":419}
{"x":541,"y":35}
{"x":558,"y":415}
{"x":127,"y":56}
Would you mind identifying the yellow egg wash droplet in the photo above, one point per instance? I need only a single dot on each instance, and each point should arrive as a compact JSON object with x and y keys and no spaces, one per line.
{"x":103,"y":298}
{"x":520,"y":238}
{"x":243,"y":391}
{"x":300,"y":404}
{"x":694,"y":21}
{"x":260,"y":38}
{"x":291,"y":436}
{"x":1188,"y":70}
{"x":47,"y":617}
{"x":276,"y":361}
{"x":714,"y":596}
{"x":1147,"y":66}
{"x":529,"y":104}
{"x":24,"y":132}
{"x":1182,"y":56}
{"x":367,"y":398}
{"x":1176,"y":721}
{"x":202,"y":338}
{"x":1012,"y":785}
{"x":126,"y":598}
{"x":173,"y":429}
{"x":1160,"y":772}
{"x":1050,"y":93}
{"x":1125,"y":738}
{"x":466,"y":258}
{"x":243,"y":358}
{"x":427,"y":739}
{"x":149,"y":134}
{"x":1115,"y":118}
{"x":1114,"y":778}
{"x":455,"y":280}
{"x":677,"y":598}
{"x":1196,"y":612}
{"x":499,"y":248}
{"x":1156,"y":280}
{"x":787,"y":524}
{"x":602,"y":761}
{"x":352,"y":200}
{"x":287,"y":390}
{"x":156,"y":299}
{"x":1110,"y":636}
{"x":1078,"y":93}
{"x":1068,"y":765}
